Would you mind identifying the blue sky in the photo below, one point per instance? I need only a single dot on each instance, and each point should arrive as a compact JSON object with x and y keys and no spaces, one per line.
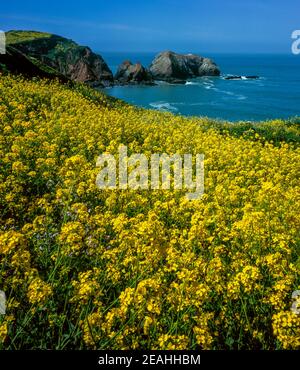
{"x":225,"y":26}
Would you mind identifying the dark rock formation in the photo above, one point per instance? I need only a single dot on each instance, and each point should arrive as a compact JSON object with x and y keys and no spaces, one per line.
{"x":241,"y":77}
{"x":75,"y":62}
{"x":171,"y":67}
{"x":129,"y":73}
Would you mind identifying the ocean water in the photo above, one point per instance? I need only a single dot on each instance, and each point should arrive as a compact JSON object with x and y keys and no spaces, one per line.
{"x":276,"y":94}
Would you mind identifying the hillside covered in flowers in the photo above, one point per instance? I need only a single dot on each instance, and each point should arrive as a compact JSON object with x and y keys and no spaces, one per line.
{"x":143,"y":269}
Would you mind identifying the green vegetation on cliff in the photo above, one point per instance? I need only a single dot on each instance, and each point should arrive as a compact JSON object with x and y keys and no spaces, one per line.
{"x":15,"y":37}
{"x":54,"y":55}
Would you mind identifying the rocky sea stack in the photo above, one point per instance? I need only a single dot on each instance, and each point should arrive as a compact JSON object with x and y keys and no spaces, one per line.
{"x":64,"y":56}
{"x":34,"y":53}
{"x":129,"y":73}
{"x":177,"y":68}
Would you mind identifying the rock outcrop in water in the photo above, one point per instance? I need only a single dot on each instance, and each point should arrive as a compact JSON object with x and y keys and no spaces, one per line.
{"x":134,"y":74}
{"x":177,"y":68}
{"x":75,"y":62}
{"x":241,"y":77}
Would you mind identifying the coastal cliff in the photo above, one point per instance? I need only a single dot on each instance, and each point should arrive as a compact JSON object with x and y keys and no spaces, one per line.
{"x":61,"y":55}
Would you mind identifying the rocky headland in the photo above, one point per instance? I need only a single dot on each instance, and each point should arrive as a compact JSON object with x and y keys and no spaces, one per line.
{"x":56,"y":55}
{"x":48,"y":55}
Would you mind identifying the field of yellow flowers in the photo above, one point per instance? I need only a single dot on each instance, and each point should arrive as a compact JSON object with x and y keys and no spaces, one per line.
{"x":142,"y":269}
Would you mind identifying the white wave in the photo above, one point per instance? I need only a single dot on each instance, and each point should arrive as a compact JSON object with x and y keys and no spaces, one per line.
{"x":239,"y":78}
{"x":232,"y":95}
{"x":163,"y":106}
{"x":178,"y":103}
{"x":161,"y":82}
{"x":210,"y":87}
{"x":227,"y":92}
{"x":191,"y":83}
{"x":198,"y":103}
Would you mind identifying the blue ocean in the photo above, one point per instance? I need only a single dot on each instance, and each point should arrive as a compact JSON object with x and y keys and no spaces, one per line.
{"x":276,"y":94}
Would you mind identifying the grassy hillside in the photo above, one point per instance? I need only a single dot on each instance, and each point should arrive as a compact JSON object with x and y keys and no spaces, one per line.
{"x":15,"y":37}
{"x":36,"y":50}
{"x":119,"y":269}
{"x":17,"y":61}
